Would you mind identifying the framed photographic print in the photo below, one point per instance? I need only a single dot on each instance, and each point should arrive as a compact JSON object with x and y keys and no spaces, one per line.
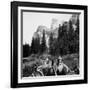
{"x":48,"y":44}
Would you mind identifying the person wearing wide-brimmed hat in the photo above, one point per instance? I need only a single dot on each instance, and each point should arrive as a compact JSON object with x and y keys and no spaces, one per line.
{"x":62,"y":68}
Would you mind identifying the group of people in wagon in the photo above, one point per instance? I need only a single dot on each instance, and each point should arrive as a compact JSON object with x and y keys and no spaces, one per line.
{"x":54,"y":68}
{"x":50,"y":67}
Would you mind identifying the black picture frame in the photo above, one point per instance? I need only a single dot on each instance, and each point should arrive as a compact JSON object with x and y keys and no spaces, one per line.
{"x":14,"y":44}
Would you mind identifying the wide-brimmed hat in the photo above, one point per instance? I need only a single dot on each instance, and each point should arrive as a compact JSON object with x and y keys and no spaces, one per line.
{"x":60,"y":58}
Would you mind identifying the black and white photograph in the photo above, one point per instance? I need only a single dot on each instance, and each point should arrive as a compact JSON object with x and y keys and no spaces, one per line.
{"x":50,"y":44}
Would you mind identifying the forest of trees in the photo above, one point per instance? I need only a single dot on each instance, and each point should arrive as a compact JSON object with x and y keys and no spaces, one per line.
{"x":66,"y":43}
{"x":36,"y":46}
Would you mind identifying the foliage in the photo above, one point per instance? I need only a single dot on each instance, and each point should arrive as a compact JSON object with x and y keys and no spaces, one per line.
{"x":26,"y":50}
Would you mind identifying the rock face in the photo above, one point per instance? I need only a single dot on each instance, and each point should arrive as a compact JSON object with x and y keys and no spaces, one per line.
{"x":41,"y":29}
{"x":54,"y":29}
{"x":74,"y":18}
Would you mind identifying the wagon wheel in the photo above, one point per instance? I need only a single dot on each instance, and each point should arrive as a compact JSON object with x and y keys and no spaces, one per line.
{"x":37,"y":73}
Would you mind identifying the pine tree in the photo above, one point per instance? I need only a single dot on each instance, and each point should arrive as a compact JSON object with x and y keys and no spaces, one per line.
{"x":77,"y":26}
{"x":71,"y":38}
{"x":51,"y":44}
{"x":43,"y":43}
{"x":77,"y":36}
{"x":58,"y":43}
{"x":62,"y":43}
{"x":60,"y":34}
{"x":35,"y":45}
{"x":26,"y":50}
{"x":71,"y":30}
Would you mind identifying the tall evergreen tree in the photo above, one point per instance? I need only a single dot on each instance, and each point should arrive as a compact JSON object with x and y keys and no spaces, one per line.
{"x":77,"y":35}
{"x":35,"y":45}
{"x":62,"y":43}
{"x":71,"y":30}
{"x":64,"y":40}
{"x":43,"y":43}
{"x":77,"y":26}
{"x":58,"y":43}
{"x":51,"y":44}
{"x":60,"y":34}
{"x":71,"y":38}
{"x":26,"y":50}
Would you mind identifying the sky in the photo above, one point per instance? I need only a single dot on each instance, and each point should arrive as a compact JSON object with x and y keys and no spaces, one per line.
{"x":31,"y":21}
